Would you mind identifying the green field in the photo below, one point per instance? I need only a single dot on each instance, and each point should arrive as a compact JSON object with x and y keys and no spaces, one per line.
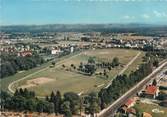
{"x":69,"y":80}
{"x":142,"y":107}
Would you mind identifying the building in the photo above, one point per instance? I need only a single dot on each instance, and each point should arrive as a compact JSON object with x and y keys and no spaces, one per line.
{"x":131,"y":112}
{"x":55,"y":51}
{"x":126,"y":108}
{"x":130,"y":102}
{"x":72,"y":49}
{"x":24,"y":53}
{"x":150,"y":91}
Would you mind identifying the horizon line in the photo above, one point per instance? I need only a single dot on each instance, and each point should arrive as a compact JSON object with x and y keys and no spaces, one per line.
{"x":162,"y":23}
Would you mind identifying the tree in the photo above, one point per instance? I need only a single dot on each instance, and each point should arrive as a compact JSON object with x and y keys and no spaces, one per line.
{"x":18,"y":103}
{"x":81,"y":105}
{"x":81,"y":66}
{"x":65,"y":107}
{"x":91,"y":60}
{"x":40,"y":106}
{"x":53,"y":63}
{"x":63,"y":66}
{"x":105,"y":72}
{"x":93,"y":108}
{"x":74,"y":100}
{"x":30,"y":105}
{"x":57,"y":102}
{"x":11,"y":63}
{"x":72,"y":65}
{"x":50,"y":107}
{"x":21,"y":92}
{"x":156,"y":63}
{"x":93,"y":104}
{"x":90,"y":69}
{"x":47,"y":98}
{"x":109,"y":68}
{"x":104,"y":98}
{"x":52,"y":97}
{"x":5,"y":100}
{"x":154,"y":82}
{"x":115,"y":62}
{"x":31,"y":94}
{"x":16,"y":92}
{"x":25,"y":93}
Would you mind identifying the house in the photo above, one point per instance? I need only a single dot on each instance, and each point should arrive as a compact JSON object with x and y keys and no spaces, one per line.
{"x":150,"y":91}
{"x":55,"y":51}
{"x":24,"y":53}
{"x":126,"y":108}
{"x":130,"y":102}
{"x":128,"y":45}
{"x":131,"y":112}
{"x":72,"y":49}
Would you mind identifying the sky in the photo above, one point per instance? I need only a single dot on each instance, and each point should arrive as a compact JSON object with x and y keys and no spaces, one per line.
{"x":27,"y":12}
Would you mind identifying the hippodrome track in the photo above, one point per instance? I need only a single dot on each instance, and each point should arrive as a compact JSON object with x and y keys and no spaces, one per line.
{"x":59,"y":63}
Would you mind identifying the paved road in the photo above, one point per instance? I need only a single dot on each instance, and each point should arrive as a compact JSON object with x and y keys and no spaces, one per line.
{"x":109,"y":112}
{"x":125,"y":68}
{"x":57,"y":65}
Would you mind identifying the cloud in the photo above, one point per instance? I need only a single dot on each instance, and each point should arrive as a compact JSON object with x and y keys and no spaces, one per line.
{"x":145,"y":16}
{"x":128,"y":17}
{"x":159,"y":14}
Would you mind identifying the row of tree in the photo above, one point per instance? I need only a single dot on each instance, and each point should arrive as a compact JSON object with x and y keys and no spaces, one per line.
{"x":24,"y":100}
{"x":11,"y":63}
{"x":72,"y":104}
{"x":91,"y":65}
{"x":115,"y":62}
{"x":122,"y":83}
{"x":68,"y":104}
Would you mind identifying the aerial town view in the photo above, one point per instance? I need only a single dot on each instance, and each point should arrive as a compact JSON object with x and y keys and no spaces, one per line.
{"x":83,"y":58}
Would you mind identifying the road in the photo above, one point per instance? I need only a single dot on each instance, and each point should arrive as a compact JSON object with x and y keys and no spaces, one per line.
{"x":57,"y":65}
{"x":109,"y":111}
{"x":125,"y":68}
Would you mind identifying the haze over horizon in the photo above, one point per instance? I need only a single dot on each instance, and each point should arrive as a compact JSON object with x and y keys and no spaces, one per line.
{"x":40,"y":12}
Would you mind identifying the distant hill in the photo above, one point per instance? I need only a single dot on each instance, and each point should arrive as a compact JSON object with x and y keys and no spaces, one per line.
{"x":132,"y":27}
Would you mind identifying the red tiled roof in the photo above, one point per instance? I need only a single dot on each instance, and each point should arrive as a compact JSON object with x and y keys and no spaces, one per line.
{"x":129,"y":102}
{"x":151,"y":89}
{"x":25,"y":53}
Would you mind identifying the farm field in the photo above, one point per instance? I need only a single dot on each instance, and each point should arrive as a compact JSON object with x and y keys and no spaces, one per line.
{"x":67,"y":79}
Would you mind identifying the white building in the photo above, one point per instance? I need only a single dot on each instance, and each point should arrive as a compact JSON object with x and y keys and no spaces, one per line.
{"x":72,"y":49}
{"x":55,"y":51}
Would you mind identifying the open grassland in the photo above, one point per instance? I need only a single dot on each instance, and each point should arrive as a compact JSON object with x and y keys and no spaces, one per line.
{"x":67,"y":79}
{"x":142,"y":107}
